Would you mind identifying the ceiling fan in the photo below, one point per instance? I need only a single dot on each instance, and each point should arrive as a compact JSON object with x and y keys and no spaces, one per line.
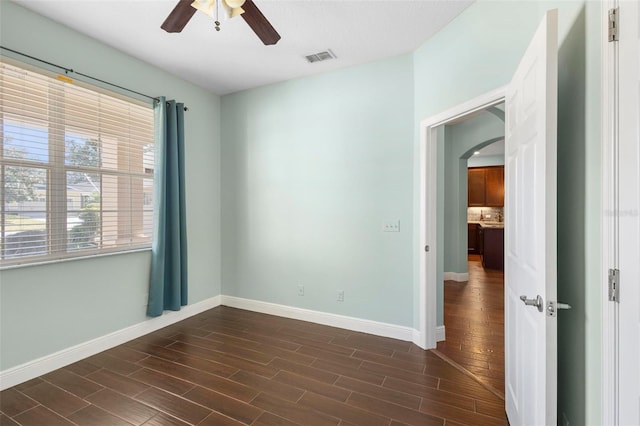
{"x":184,"y":10}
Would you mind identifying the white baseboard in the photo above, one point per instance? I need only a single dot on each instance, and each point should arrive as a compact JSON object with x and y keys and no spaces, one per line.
{"x":456,"y":276}
{"x":417,"y":339}
{"x":334,"y":320}
{"x":29,"y":370}
{"x":440,"y":334}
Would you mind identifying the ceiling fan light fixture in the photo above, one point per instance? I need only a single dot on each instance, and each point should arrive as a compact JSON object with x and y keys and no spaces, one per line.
{"x":234,"y":4}
{"x":236,"y":11}
{"x":205,"y":6}
{"x":230,"y":9}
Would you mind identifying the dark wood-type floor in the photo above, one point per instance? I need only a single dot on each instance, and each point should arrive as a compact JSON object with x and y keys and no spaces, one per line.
{"x":229,"y":367}
{"x":474,"y":324}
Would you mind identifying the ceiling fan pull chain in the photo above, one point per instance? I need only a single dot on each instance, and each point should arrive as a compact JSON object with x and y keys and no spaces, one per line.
{"x":217,"y":21}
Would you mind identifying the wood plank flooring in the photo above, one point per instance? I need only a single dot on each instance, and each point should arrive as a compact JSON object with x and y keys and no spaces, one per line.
{"x":474,"y":323}
{"x":230,"y":367}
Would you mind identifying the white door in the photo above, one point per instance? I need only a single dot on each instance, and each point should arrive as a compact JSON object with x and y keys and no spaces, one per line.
{"x":530,"y":234}
{"x":629,"y":213}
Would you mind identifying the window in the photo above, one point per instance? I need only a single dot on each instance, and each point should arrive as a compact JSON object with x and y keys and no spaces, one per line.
{"x":76,"y":167}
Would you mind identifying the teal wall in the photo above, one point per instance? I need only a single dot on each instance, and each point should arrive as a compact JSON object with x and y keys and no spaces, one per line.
{"x":477,"y":53}
{"x":311,"y":169}
{"x":44,"y":309}
{"x":460,"y":141}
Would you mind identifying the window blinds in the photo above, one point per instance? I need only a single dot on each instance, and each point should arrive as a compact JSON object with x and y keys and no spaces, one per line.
{"x":76,"y":166}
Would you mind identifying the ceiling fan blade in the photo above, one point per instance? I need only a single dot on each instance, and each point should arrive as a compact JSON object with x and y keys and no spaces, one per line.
{"x":259,"y":24}
{"x":179,"y":16}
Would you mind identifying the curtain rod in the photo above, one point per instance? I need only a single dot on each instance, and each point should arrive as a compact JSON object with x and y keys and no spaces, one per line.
{"x":70,"y":70}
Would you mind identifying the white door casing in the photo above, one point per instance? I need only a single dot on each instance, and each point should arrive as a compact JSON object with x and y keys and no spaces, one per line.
{"x":621,"y":214}
{"x":530,"y":233}
{"x":608,"y":220}
{"x":427,"y":194}
{"x":628,"y":213}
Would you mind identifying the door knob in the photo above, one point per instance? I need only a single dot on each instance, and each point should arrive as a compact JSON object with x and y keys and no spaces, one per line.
{"x":537,"y":302}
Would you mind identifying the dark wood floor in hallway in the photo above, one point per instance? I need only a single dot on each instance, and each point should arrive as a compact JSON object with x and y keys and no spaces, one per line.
{"x":474,"y":324}
{"x":229,"y":367}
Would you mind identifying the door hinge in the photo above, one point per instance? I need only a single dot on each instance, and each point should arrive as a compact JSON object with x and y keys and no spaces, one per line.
{"x":426,"y":248}
{"x":614,"y":285}
{"x":613,"y":24}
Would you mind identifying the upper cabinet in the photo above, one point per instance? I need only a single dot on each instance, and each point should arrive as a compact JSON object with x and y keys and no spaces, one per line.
{"x":494,"y":179}
{"x":486,"y":186}
{"x":476,"y":187}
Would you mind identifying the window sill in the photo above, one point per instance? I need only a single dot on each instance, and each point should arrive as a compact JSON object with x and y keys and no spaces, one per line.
{"x":71,"y":259}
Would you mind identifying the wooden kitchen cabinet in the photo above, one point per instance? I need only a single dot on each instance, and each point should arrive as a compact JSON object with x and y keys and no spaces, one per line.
{"x":476,"y":187}
{"x":472,"y":240}
{"x":486,"y":186}
{"x":493,"y":248}
{"x":494,"y":189}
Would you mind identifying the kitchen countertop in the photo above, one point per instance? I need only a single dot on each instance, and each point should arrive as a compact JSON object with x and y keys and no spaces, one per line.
{"x":488,"y":224}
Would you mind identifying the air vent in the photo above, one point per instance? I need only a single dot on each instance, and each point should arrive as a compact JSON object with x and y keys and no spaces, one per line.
{"x":320,"y":56}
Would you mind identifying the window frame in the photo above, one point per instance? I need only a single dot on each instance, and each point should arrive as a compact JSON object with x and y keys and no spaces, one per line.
{"x":56,"y":169}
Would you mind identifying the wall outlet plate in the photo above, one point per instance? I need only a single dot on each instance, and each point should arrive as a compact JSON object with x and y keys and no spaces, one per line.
{"x":300,"y":290}
{"x":391,"y":226}
{"x":341,"y":296}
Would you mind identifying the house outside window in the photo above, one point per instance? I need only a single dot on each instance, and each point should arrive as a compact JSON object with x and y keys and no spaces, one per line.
{"x":74,"y":164}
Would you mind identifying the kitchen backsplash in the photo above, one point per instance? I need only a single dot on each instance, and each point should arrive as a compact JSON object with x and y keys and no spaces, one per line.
{"x":489,"y":214}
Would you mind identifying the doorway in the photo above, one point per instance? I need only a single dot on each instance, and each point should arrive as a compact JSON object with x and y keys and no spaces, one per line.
{"x":473,"y":244}
{"x":431,"y":213}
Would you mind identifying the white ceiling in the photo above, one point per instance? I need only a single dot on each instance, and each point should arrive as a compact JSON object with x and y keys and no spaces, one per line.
{"x":357,"y":31}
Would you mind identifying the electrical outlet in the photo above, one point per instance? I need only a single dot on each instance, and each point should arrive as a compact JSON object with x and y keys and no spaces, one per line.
{"x":392,"y":226}
{"x":341,"y":296}
{"x":300,"y":290}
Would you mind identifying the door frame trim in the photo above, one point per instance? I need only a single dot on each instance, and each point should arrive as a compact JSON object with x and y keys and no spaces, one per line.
{"x":609,"y":220}
{"x":427,"y":196}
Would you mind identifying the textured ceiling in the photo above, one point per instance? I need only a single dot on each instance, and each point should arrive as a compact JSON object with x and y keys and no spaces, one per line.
{"x":234,"y":59}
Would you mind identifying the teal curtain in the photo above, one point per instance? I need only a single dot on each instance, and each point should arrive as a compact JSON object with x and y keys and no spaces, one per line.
{"x":168,"y":283}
